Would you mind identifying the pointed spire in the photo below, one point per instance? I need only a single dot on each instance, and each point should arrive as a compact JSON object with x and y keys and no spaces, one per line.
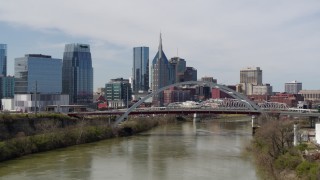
{"x":160,"y":46}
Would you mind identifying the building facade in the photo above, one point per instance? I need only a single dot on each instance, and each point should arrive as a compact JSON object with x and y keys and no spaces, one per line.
{"x":3,"y":60}
{"x":118,"y":93}
{"x":293,"y":87}
{"x":175,"y":94}
{"x":140,"y":70}
{"x":209,"y":79}
{"x":179,"y":66}
{"x":190,"y":74}
{"x":162,"y":74}
{"x":37,"y":72}
{"x":28,"y":102}
{"x":252,"y":75}
{"x":262,"y":90}
{"x":77,"y":74}
{"x":7,"y":87}
{"x":310,"y":95}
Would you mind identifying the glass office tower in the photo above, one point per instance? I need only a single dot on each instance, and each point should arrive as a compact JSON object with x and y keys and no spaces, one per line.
{"x":38,"y":70}
{"x":140,"y":70}
{"x":3,"y":59}
{"x":77,"y":74}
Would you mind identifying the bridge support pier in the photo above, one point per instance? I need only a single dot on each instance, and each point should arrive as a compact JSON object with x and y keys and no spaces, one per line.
{"x":253,"y":124}
{"x":195,"y":117}
{"x":295,"y":135}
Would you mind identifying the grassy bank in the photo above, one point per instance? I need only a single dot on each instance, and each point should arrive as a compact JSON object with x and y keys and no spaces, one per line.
{"x":277,"y":158}
{"x":83,"y":131}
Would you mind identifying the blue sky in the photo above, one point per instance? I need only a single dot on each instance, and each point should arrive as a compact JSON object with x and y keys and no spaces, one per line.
{"x":217,"y":37}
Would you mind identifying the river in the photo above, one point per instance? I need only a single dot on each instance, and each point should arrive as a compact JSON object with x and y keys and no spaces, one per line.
{"x":207,"y":150}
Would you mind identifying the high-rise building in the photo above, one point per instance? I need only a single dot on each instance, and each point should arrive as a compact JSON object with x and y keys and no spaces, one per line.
{"x":77,"y":73}
{"x":162,"y":74}
{"x":3,"y":59}
{"x":38,"y":83}
{"x":252,"y":75}
{"x":38,"y":71}
{"x":293,"y":87}
{"x":179,"y":66}
{"x":190,"y":74}
{"x":140,"y":70}
{"x":7,"y":87}
{"x":118,"y":93}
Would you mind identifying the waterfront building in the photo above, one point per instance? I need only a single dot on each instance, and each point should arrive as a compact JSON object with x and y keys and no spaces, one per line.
{"x":140,"y":70}
{"x":77,"y":74}
{"x":162,"y":74}
{"x":28,"y":102}
{"x":252,"y":75}
{"x":292,"y":87}
{"x":179,"y":66}
{"x":118,"y":93}
{"x":37,"y":72}
{"x":3,"y":60}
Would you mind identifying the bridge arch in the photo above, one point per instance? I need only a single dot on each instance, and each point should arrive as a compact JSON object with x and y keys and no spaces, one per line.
{"x":250,"y":105}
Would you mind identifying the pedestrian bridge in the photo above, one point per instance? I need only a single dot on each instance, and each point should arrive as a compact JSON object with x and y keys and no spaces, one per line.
{"x":238,"y":104}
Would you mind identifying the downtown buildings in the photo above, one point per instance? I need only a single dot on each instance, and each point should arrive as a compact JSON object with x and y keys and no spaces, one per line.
{"x":43,"y":82}
{"x":38,"y":83}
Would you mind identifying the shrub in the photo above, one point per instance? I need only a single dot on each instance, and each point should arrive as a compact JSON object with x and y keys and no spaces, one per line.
{"x":307,"y":169}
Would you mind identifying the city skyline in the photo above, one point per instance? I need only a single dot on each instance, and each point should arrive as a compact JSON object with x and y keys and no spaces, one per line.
{"x":217,"y":38}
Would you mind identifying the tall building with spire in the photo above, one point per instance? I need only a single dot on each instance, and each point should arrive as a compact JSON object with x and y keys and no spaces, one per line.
{"x":162,"y":74}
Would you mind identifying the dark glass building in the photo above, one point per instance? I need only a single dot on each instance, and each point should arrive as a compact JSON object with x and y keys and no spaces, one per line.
{"x":77,"y":74}
{"x":140,"y":70}
{"x":7,"y":87}
{"x":3,"y":59}
{"x":37,"y":70}
{"x":179,"y":65}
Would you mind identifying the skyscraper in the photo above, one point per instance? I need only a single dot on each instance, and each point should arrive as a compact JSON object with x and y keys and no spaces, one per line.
{"x":251,"y":75}
{"x":140,"y":70}
{"x":162,"y":73}
{"x":3,"y":59}
{"x":37,"y":69}
{"x":77,"y":73}
{"x":179,"y":65}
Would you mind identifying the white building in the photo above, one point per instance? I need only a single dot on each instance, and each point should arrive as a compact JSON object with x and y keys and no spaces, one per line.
{"x":28,"y":102}
{"x":293,"y":87}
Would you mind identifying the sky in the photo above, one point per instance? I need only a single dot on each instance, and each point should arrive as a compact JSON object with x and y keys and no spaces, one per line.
{"x":217,"y":37}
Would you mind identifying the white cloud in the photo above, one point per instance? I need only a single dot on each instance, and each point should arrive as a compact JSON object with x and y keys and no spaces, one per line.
{"x":217,"y":37}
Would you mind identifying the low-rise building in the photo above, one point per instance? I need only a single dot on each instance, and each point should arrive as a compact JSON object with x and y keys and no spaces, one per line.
{"x":290,"y":99}
{"x":310,"y":95}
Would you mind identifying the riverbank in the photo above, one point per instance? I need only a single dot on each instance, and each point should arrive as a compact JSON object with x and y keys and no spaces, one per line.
{"x":277,"y":158}
{"x":27,"y":134}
